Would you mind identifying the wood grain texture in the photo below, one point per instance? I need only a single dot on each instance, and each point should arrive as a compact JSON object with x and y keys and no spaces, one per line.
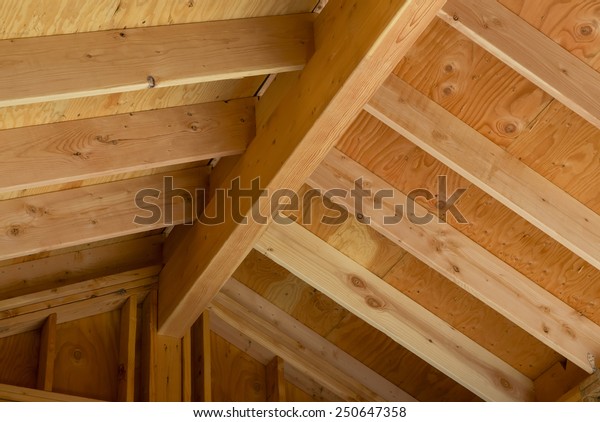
{"x":275,"y":380}
{"x":169,"y":379}
{"x":60,"y":219}
{"x":469,"y":265}
{"x":62,"y":267}
{"x":29,"y":18}
{"x":540,"y":60}
{"x":19,"y":356}
{"x":87,"y":352}
{"x":489,"y":167}
{"x":22,"y":394}
{"x":127,"y":102}
{"x":127,"y":350}
{"x":45,"y":378}
{"x":105,"y":62}
{"x":237,"y":377}
{"x":148,"y":330}
{"x":387,"y":309}
{"x":70,"y":151}
{"x":327,"y":97}
{"x":201,"y":359}
{"x":558,"y":380}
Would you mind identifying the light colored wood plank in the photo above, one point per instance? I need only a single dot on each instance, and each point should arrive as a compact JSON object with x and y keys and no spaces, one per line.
{"x":69,"y":151}
{"x":390,"y":311}
{"x":540,"y":60}
{"x":329,"y":354}
{"x":169,"y":381}
{"x":470,"y":266}
{"x":47,"y":354}
{"x":186,"y":367}
{"x":22,"y":394}
{"x":488,"y":166}
{"x":148,"y":353}
{"x":275,"y":380}
{"x":201,"y":359}
{"x":77,"y":216}
{"x":30,"y":18}
{"x":87,"y":356}
{"x":58,"y":268}
{"x":126,"y":373}
{"x":327,"y":97}
{"x":96,"y":63}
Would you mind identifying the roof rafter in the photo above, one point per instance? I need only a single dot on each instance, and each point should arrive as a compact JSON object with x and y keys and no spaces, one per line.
{"x":529,"y":52}
{"x":467,"y":264}
{"x":390,"y":311}
{"x":85,"y":64}
{"x":366,"y":39}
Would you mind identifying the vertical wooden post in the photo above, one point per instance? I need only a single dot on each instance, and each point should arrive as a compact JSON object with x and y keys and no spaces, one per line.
{"x":168,"y":369}
{"x":127,"y":350}
{"x":186,"y":367}
{"x":148,"y":353}
{"x":201,"y":359}
{"x":275,"y":380}
{"x":45,"y":377}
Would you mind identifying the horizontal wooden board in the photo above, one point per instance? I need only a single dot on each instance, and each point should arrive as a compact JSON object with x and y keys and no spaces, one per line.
{"x":86,"y":64}
{"x":66,"y":218}
{"x":65,"y":152}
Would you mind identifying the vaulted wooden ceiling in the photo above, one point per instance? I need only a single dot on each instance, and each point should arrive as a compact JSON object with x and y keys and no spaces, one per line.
{"x":498,"y":101}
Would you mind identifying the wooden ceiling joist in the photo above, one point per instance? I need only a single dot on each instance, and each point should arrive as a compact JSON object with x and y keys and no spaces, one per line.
{"x":85,"y":64}
{"x":539,"y":59}
{"x":488,"y":166}
{"x":63,"y":152}
{"x":332,"y":89}
{"x":390,"y":311}
{"x":77,"y":216}
{"x":284,"y":324}
{"x":468,"y":264}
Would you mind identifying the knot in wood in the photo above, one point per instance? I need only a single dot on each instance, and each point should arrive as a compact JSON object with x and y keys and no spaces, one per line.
{"x":374,"y":303}
{"x":357,"y":282}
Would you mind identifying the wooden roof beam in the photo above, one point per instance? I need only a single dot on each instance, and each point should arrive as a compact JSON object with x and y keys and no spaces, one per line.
{"x":529,"y":52}
{"x":466,"y":263}
{"x":365,"y":40}
{"x":94,"y":63}
{"x":390,"y":311}
{"x":69,"y":151}
{"x":489,"y":167}
{"x":73,"y":217}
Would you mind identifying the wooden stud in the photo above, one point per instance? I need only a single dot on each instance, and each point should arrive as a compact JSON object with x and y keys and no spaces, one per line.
{"x":468,"y":264}
{"x":126,"y":375}
{"x":169,"y":381}
{"x":331,"y":91}
{"x":148,"y":353}
{"x":488,"y":166}
{"x":541,"y":60}
{"x":76,"y":216}
{"x":393,"y":313}
{"x":201,"y":359}
{"x":47,"y":354}
{"x":104,"y":62}
{"x":275,"y":380}
{"x":186,"y":367}
{"x":105,"y":146}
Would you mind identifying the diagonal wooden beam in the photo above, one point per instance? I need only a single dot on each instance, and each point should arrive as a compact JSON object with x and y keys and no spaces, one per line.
{"x":285,"y":325}
{"x":365,"y":40}
{"x":390,"y":311}
{"x":529,"y":52}
{"x":489,"y":167}
{"x":466,"y":263}
{"x":73,"y":217}
{"x":64,"y":152}
{"x":85,"y":64}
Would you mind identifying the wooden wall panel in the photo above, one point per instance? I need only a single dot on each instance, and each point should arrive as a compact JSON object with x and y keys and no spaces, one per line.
{"x":87,"y":357}
{"x":31,"y":18}
{"x":236,"y":375}
{"x":295,"y":394}
{"x":19,"y":357}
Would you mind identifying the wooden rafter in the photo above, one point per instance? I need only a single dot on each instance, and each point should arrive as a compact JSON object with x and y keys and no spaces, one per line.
{"x":529,"y":52}
{"x":387,"y":309}
{"x":64,"y":152}
{"x":86,"y":64}
{"x":366,"y":39}
{"x":467,"y":264}
{"x":65,"y":218}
